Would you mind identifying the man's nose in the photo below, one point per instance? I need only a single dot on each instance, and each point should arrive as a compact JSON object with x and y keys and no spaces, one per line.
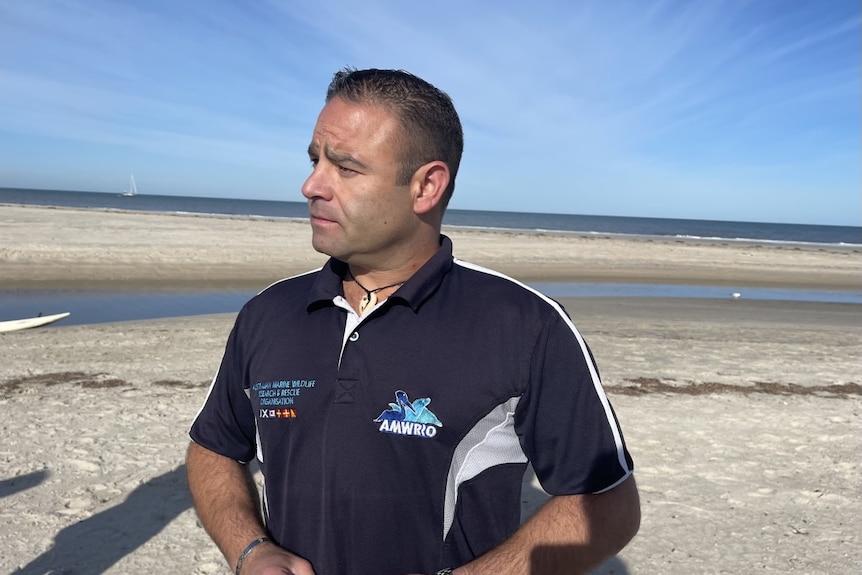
{"x":316,"y":185}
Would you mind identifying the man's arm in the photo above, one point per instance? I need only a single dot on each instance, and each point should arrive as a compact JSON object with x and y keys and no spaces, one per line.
{"x":569,"y":534}
{"x":227,"y":504}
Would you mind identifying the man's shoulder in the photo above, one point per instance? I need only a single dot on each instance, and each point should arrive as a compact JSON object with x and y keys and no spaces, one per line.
{"x":284,"y":292}
{"x":296,"y":282}
{"x":477,"y":276}
{"x":495,"y":288}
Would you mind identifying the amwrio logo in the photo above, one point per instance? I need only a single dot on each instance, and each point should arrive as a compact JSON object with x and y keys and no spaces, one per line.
{"x":405,"y":417}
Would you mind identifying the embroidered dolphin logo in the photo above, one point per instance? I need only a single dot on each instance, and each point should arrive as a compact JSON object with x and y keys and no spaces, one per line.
{"x":405,"y":410}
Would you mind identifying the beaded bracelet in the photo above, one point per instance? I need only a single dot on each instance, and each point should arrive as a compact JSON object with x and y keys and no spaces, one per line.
{"x":248,"y":549}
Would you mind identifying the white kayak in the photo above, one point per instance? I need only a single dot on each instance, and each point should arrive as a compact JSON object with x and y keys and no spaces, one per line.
{"x":16,"y":324}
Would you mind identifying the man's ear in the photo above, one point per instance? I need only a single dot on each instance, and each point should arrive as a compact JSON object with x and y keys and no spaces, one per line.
{"x":429,"y":185}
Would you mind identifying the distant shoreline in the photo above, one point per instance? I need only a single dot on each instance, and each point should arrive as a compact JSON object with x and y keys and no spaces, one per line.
{"x":55,"y":248}
{"x":659,"y":227}
{"x":475,"y":228}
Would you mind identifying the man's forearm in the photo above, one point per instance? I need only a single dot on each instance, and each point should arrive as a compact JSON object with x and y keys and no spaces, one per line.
{"x":569,"y":534}
{"x":225,"y":499}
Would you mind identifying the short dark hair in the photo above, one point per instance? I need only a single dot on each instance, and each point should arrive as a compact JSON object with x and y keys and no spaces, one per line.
{"x":431,"y":129}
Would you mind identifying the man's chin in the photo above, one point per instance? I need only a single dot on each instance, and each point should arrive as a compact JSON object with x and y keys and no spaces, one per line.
{"x":325,"y":247}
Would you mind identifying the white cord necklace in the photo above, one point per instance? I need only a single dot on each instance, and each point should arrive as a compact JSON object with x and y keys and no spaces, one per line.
{"x":370,"y":297}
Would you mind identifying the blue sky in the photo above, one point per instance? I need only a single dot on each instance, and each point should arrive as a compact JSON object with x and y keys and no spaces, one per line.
{"x":724,"y":109}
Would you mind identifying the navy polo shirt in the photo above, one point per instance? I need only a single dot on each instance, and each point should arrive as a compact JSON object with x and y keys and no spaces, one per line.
{"x":396,"y":443}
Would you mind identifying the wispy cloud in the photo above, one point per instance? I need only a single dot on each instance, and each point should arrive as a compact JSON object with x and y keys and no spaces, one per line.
{"x":652,"y":104}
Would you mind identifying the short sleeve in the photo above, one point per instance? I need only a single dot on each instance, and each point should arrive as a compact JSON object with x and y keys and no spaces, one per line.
{"x":565,"y":421}
{"x":226,"y":424}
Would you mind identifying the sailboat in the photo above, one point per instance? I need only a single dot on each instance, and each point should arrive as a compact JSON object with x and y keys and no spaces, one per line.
{"x":132,"y":191}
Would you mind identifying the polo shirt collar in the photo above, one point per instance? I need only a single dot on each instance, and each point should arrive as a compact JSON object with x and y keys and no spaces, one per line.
{"x":414,"y":292}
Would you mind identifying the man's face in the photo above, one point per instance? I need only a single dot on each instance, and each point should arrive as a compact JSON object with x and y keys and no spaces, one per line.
{"x":358,"y":213}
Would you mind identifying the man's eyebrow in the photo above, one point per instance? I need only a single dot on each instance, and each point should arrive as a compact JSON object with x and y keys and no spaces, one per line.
{"x":336,"y":157}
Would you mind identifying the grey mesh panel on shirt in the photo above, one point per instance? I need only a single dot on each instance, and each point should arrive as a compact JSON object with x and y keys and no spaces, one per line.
{"x":492,"y":441}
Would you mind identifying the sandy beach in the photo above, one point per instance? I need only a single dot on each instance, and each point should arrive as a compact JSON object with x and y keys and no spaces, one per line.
{"x":743,"y":416}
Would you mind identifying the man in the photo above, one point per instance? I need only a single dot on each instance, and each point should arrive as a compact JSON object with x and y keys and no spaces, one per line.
{"x":393,"y":397}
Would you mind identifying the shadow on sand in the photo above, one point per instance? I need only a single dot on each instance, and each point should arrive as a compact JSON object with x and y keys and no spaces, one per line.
{"x":92,"y":546}
{"x":22,"y":483}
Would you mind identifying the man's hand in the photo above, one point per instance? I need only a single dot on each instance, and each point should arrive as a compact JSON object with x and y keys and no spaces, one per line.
{"x":270,"y":559}
{"x":228,"y":506}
